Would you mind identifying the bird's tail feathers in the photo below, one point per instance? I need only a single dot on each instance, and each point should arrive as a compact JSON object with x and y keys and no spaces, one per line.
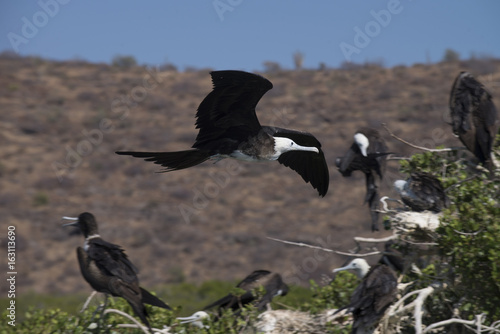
{"x":150,"y":299}
{"x":130,"y":292}
{"x":172,"y":160}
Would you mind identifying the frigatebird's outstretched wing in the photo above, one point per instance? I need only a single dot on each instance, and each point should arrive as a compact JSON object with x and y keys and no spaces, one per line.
{"x":311,"y":166}
{"x":228,"y":111}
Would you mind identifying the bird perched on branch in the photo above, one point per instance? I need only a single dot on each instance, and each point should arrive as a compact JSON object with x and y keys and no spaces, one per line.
{"x":107,"y":269}
{"x":372,"y":297}
{"x":271,"y":282}
{"x":229,"y":128}
{"x":474,"y":117}
{"x":422,"y":191}
{"x":368,"y":154}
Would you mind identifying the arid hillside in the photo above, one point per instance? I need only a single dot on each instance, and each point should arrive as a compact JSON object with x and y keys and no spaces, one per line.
{"x":61,"y":122}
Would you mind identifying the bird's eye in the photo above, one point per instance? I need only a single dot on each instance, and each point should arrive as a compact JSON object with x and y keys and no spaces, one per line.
{"x":291,"y":144}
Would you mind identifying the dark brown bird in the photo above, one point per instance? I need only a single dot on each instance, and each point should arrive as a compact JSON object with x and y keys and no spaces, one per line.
{"x":229,"y":128}
{"x":422,"y":191}
{"x":107,"y":269}
{"x":393,"y":257}
{"x":368,"y":154}
{"x":271,"y":282}
{"x":474,"y":117}
{"x":372,"y":297}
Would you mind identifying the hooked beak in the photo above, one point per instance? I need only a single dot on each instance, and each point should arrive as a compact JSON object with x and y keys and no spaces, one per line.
{"x":74,"y":219}
{"x":342,"y":268}
{"x":306,"y":148}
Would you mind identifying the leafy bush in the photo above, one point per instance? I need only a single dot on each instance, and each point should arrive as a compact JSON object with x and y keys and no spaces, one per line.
{"x":468,"y":240}
{"x":451,"y":55}
{"x":464,"y":270}
{"x":123,"y":61}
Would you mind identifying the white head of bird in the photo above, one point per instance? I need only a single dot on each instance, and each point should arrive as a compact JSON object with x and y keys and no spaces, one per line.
{"x":362,"y":142}
{"x":400,"y":185}
{"x":360,"y":267}
{"x":196,"y":319}
{"x":283,"y":145}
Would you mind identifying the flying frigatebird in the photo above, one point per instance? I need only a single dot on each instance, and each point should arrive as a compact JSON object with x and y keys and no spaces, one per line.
{"x":373,"y":295}
{"x":229,"y":128}
{"x":368,"y":154}
{"x":421,"y":192}
{"x":474,"y":117}
{"x":107,"y":269}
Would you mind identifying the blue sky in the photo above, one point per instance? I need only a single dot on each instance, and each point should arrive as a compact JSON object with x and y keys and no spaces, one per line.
{"x":242,"y":34}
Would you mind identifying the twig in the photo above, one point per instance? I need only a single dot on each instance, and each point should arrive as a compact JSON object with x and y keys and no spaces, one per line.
{"x":87,"y":302}
{"x":398,"y":158}
{"x":447,"y":149}
{"x":420,"y":243}
{"x":301,"y":244}
{"x":393,"y":310}
{"x":375,"y":240}
{"x":470,"y":234}
{"x":417,"y":305}
{"x":139,"y":325}
{"x":155,"y":330}
{"x":447,"y":322}
{"x":477,"y":322}
{"x":460,"y":182}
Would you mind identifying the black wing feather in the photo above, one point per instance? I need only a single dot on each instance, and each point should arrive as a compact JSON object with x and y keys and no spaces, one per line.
{"x":112,"y":259}
{"x":228,"y":111}
{"x":311,"y":166}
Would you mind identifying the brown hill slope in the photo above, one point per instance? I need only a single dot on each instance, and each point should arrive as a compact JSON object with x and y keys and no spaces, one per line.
{"x":62,"y":121}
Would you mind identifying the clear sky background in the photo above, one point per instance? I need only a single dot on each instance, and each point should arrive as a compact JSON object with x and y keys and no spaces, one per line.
{"x":242,"y":34}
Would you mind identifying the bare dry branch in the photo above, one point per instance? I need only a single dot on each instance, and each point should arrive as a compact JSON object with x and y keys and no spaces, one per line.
{"x":375,"y":240}
{"x":139,"y":325}
{"x":470,"y":234}
{"x":460,"y":182}
{"x":477,"y":322}
{"x":301,"y":244}
{"x":447,"y":149}
{"x":87,"y":302}
{"x":155,"y":330}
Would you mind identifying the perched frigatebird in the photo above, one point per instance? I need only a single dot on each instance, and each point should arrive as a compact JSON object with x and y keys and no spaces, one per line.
{"x":372,"y":297}
{"x":229,"y":128}
{"x":107,"y":269}
{"x":422,"y":191}
{"x":368,"y":154}
{"x":271,"y":282}
{"x":474,"y":117}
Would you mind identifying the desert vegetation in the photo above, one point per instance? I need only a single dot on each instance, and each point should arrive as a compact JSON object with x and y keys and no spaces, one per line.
{"x":62,"y":122}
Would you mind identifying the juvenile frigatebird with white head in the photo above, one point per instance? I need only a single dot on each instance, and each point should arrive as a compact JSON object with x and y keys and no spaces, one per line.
{"x":107,"y":269}
{"x":229,"y":128}
{"x":368,"y":154}
{"x":474,"y":117}
{"x":196,"y":319}
{"x":422,"y":191}
{"x":372,"y":297}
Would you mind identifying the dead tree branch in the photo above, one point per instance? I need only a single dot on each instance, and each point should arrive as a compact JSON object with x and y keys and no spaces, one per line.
{"x":301,"y":244}
{"x":447,"y":149}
